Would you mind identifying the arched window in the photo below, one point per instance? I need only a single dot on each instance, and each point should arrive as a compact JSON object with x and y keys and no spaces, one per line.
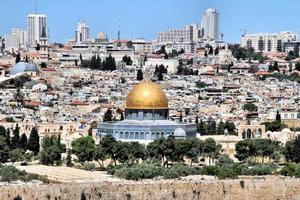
{"x":248,"y":133}
{"x":244,"y":134}
{"x":142,"y":136}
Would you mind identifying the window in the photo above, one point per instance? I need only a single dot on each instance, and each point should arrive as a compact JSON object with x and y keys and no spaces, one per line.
{"x":126,"y":135}
{"x":142,"y":136}
{"x":136,"y":136}
{"x":131,"y":135}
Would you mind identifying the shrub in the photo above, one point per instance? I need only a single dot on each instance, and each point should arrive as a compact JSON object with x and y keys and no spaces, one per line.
{"x":11,"y":173}
{"x":139,"y":171}
{"x":178,"y":170}
{"x":209,"y":170}
{"x":297,"y":171}
{"x":89,"y":166}
{"x":227,"y":172}
{"x":224,"y":160}
{"x":288,"y":169}
{"x":258,"y":170}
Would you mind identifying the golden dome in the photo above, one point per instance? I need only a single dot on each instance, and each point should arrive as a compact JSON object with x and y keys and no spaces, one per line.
{"x":147,"y":95}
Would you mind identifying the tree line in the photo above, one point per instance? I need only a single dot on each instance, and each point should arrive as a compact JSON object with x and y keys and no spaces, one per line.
{"x":165,"y":150}
{"x":96,"y":63}
{"x":212,"y":128}
{"x":13,"y":147}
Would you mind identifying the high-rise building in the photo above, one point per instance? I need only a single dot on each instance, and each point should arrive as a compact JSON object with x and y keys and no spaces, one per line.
{"x":82,"y":33}
{"x":263,"y":42}
{"x":36,"y":24}
{"x":18,"y":38}
{"x":211,"y":25}
{"x":184,"y":38}
{"x":186,"y":34}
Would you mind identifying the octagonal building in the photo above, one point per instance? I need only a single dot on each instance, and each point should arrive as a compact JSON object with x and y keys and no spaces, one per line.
{"x":146,"y":118}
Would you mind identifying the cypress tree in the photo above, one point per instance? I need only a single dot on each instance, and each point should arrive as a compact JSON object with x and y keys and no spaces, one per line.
{"x":23,"y":142}
{"x":34,"y":141}
{"x":15,"y":140}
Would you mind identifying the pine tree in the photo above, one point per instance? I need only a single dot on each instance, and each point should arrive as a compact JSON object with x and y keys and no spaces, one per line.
{"x":205,"y":53}
{"x":108,"y":116}
{"x":221,"y":128}
{"x":18,"y":58}
{"x":160,"y":76}
{"x":139,"y":75}
{"x":34,"y":141}
{"x":278,"y":116}
{"x":297,"y":67}
{"x":217,"y":51}
{"x":23,"y":142}
{"x":69,"y":158}
{"x":211,"y":51}
{"x":15,"y":140}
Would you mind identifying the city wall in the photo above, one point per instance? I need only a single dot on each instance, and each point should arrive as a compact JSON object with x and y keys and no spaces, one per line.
{"x":263,"y":189}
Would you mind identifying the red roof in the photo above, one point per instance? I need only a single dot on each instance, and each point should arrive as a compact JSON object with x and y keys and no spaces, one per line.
{"x":49,"y":69}
{"x":79,"y":103}
{"x":262,"y":72}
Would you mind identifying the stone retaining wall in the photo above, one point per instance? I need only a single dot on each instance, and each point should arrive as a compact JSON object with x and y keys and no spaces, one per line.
{"x":268,"y":189}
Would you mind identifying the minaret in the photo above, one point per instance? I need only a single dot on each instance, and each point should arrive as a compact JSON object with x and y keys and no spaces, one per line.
{"x":44,"y":43}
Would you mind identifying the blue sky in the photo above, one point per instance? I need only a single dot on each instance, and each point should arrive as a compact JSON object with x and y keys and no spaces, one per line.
{"x":148,"y":17}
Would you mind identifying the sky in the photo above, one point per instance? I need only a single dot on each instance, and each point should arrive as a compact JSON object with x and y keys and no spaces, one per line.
{"x":145,"y":18}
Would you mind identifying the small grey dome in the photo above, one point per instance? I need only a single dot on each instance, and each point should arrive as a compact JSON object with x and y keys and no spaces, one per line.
{"x":179,"y":132}
{"x":23,"y":67}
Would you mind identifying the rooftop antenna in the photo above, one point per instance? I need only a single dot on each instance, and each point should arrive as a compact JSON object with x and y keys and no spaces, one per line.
{"x":35,"y":7}
{"x":119,"y":31}
{"x":132,"y":30}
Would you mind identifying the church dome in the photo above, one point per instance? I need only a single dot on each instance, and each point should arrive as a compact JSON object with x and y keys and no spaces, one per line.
{"x":21,"y":67}
{"x":147,"y":95}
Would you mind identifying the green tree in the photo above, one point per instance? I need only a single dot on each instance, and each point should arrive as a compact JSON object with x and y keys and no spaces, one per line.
{"x":242,"y":150}
{"x":297,"y":66}
{"x":38,"y":47}
{"x":4,"y":150}
{"x":18,"y":58}
{"x":108,"y":143}
{"x":250,"y":107}
{"x":230,"y":127}
{"x":16,"y":155}
{"x":160,"y":76}
{"x":139,"y":75}
{"x":211,"y":127}
{"x":274,"y":126}
{"x":221,"y":128}
{"x":292,"y":150}
{"x":108,"y":116}
{"x":211,"y":149}
{"x":121,"y":152}
{"x":34,"y":141}
{"x":100,"y":155}
{"x":51,"y":151}
{"x":23,"y":142}
{"x":278,"y":116}
{"x":157,"y":150}
{"x":19,"y":97}
{"x":84,"y":148}
{"x":15,"y":140}
{"x":137,"y":151}
{"x":202,"y":127}
{"x":69,"y":158}
{"x":217,"y":51}
{"x":210,"y":50}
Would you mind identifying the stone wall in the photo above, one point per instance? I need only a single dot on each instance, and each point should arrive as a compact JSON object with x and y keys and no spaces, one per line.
{"x":262,"y":189}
